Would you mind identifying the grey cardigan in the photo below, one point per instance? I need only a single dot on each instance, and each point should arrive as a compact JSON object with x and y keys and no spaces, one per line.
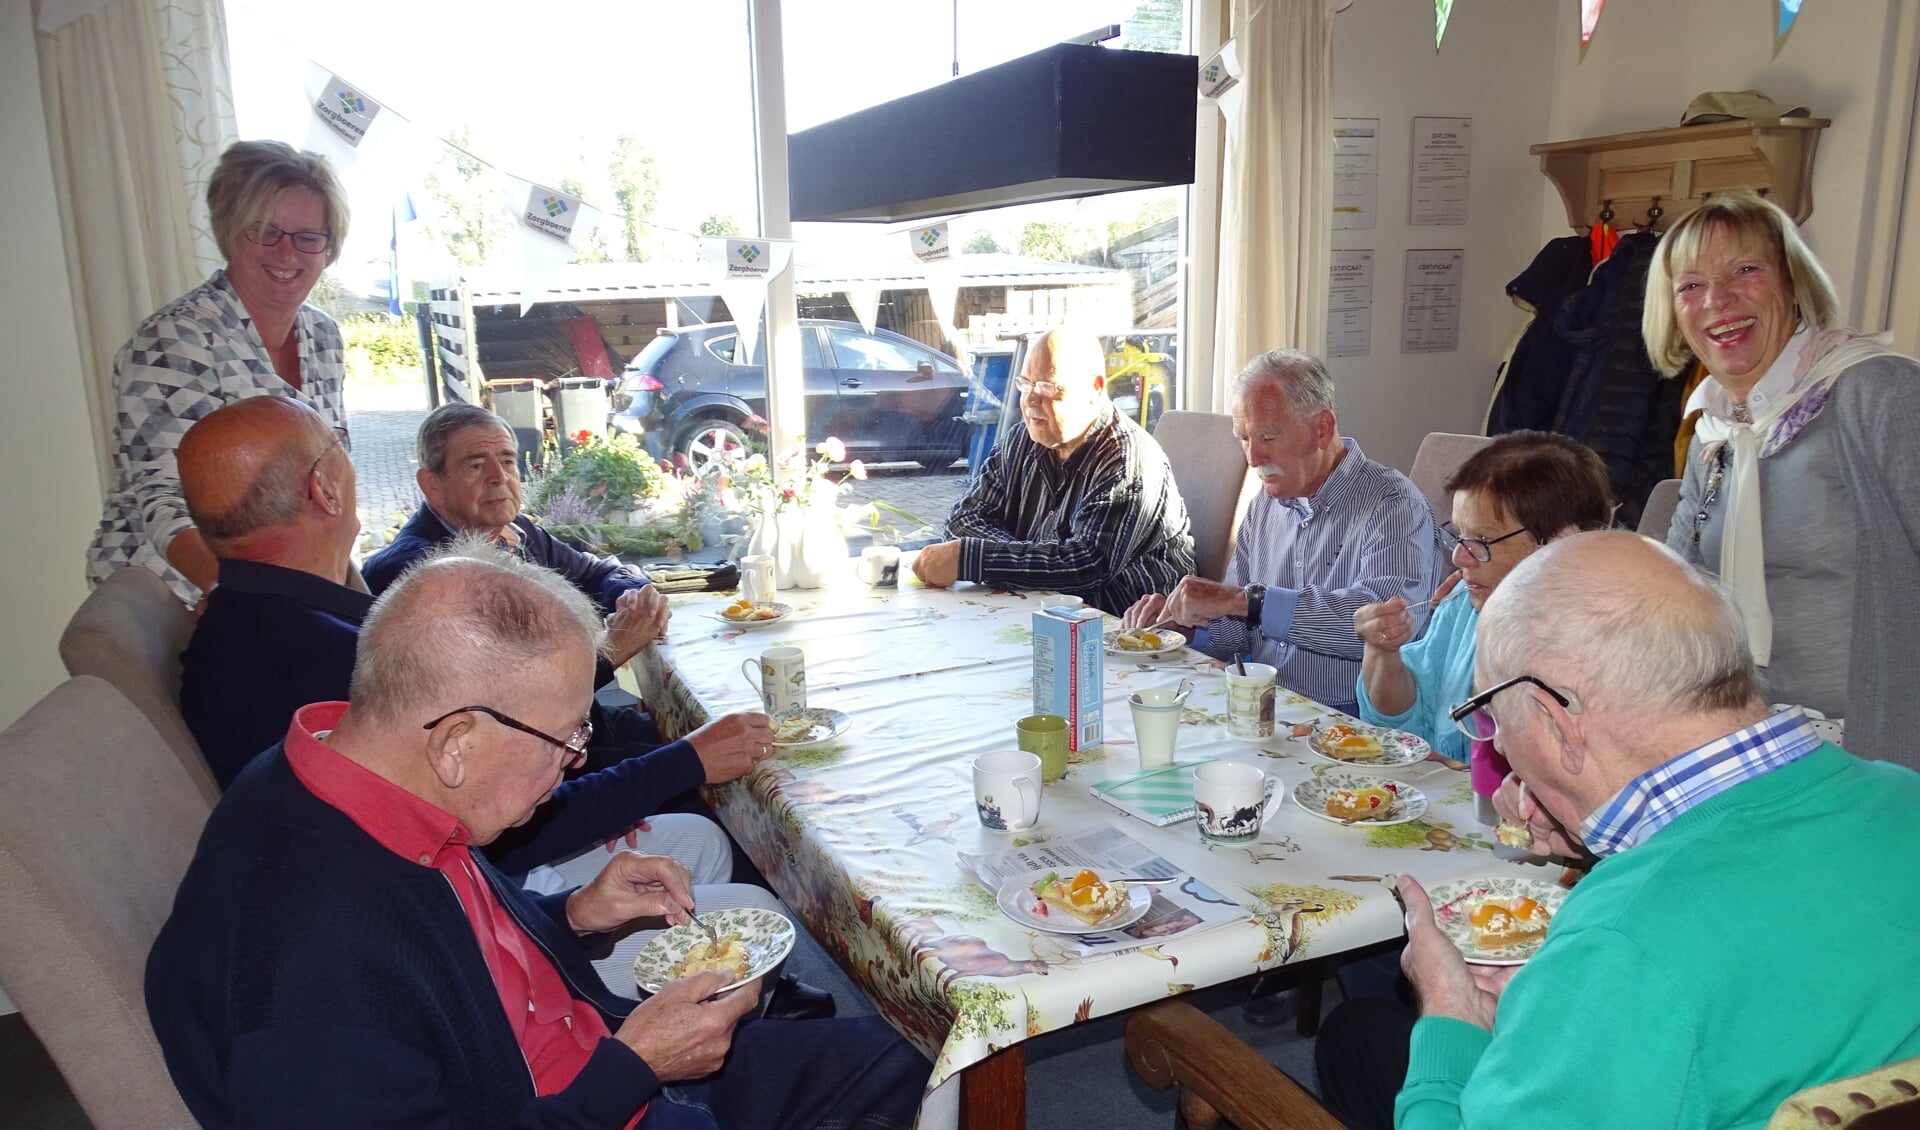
{"x":1840,"y":516}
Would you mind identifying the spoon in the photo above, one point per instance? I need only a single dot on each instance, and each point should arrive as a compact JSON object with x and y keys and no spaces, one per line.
{"x":1186,"y":688}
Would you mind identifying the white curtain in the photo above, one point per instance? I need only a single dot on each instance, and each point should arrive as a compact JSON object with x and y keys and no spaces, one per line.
{"x":139,"y":107}
{"x":1276,"y":214}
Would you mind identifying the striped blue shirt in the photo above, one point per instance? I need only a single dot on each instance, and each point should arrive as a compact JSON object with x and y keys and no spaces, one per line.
{"x":1659,"y":796}
{"x":1365,"y":535}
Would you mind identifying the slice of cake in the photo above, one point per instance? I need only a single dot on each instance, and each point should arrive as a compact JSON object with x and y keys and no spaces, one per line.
{"x":1084,"y":896}
{"x":1499,"y":923}
{"x":1370,"y":803}
{"x":1348,"y":744}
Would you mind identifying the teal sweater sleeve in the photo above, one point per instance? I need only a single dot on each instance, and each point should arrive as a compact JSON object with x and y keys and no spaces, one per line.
{"x":1592,"y":1032}
{"x":1442,"y":665}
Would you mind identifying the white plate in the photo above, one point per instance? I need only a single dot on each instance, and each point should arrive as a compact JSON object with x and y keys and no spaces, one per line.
{"x":784,"y":610}
{"x":1454,"y":901}
{"x":1311,"y":795}
{"x":826,"y":724}
{"x":1398,"y":748}
{"x":767,"y":935}
{"x":1170,"y":642}
{"x":1016,"y":896}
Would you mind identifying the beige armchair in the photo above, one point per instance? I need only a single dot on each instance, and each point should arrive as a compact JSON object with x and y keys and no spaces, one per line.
{"x":1657,"y":514}
{"x":1211,"y":472}
{"x":97,"y":824}
{"x":1440,"y":455}
{"x":130,"y":632}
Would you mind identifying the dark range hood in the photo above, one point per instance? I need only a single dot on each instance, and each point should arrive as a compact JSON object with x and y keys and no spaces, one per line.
{"x":1064,"y":122}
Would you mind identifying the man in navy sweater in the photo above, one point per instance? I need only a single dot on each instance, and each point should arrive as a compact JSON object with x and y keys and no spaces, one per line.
{"x":339,"y":955}
{"x":274,"y":499}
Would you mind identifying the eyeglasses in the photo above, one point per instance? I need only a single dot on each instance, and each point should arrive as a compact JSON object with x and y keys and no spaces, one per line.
{"x":1480,"y":549}
{"x":1045,"y":390}
{"x":339,"y":441}
{"x":306,"y":242}
{"x":575,"y":746}
{"x":1474,"y":719}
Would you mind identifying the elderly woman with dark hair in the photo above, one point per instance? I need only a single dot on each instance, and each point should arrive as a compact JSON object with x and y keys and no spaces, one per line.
{"x":280,"y":217}
{"x":1510,"y":498}
{"x":1800,"y":486}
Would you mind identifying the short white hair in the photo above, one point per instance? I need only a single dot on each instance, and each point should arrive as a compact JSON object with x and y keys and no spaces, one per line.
{"x":1666,"y":645}
{"x":465,"y":624}
{"x":1295,"y":374}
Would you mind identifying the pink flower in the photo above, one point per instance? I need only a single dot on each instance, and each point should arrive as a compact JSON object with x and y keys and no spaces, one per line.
{"x":833,"y":449}
{"x":679,"y":461}
{"x":756,"y":423}
{"x":858,"y":470}
{"x":786,"y":494}
{"x":583,"y":436}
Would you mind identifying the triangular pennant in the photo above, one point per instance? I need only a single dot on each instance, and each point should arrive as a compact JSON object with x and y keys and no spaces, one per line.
{"x":745,"y":299}
{"x":1442,"y":12}
{"x":552,"y":226}
{"x":865,"y":301}
{"x":943,"y":292}
{"x":1589,"y":19}
{"x":1789,"y":12}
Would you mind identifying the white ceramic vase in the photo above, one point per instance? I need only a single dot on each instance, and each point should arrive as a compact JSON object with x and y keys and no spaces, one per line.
{"x":774,"y":535}
{"x":821,"y":550}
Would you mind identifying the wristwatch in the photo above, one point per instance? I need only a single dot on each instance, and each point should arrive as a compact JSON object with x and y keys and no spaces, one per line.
{"x":1256,"y":604}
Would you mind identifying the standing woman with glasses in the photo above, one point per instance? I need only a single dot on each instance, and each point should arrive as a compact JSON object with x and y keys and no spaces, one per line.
{"x":1510,"y":498}
{"x":280,"y":217}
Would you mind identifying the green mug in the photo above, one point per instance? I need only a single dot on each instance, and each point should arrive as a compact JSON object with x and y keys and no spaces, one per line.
{"x":1045,"y":735}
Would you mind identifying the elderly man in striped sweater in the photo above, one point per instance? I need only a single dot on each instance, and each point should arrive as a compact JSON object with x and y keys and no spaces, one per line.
{"x":1332,"y":530}
{"x":1084,"y":503}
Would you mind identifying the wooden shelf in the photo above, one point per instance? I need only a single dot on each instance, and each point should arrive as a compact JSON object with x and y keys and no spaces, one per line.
{"x":1682,"y":166}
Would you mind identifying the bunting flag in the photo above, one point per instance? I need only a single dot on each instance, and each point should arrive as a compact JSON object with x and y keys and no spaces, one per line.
{"x":930,"y":244}
{"x":1220,"y":78}
{"x":1442,"y":12}
{"x":553,"y":226}
{"x":1789,"y":11}
{"x":1589,"y":19}
{"x":745,"y":266}
{"x":865,"y":301}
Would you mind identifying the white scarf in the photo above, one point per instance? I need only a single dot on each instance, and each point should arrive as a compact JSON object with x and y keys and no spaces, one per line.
{"x":1818,"y":360}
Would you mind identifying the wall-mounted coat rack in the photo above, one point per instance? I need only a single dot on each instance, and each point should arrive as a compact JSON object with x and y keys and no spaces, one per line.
{"x":1675,"y":169}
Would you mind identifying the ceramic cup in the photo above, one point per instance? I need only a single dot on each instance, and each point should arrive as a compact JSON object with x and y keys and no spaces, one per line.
{"x":1233,"y":800}
{"x":1045,"y":735}
{"x":1156,"y":723}
{"x":780,"y":678}
{"x":757,"y":577}
{"x":1250,"y":701}
{"x":880,"y":566}
{"x":1006,"y":790}
{"x":1062,"y":600}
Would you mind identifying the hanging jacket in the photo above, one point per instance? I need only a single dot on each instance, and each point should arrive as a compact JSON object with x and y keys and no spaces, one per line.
{"x":1526,"y":391}
{"x":1615,"y":401}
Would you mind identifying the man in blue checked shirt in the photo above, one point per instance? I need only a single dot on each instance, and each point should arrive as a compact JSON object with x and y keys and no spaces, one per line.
{"x":1332,"y":531}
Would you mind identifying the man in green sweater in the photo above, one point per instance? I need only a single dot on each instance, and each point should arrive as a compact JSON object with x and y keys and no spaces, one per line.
{"x":1750,"y":928}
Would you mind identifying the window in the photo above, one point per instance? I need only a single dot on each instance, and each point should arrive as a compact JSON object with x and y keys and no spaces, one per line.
{"x":854,"y":350}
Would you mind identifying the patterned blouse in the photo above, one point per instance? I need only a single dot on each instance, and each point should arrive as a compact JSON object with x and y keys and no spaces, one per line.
{"x":198,"y":353}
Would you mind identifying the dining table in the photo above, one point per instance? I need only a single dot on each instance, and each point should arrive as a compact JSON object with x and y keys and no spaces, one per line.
{"x":862,"y":834}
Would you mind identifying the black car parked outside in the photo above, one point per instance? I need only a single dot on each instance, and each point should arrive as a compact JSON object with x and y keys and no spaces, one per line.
{"x":887,"y":397}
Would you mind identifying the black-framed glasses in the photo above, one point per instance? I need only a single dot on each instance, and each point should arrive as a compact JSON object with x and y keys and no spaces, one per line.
{"x":1480,"y":549}
{"x":1476,"y":721}
{"x":1045,"y":390}
{"x":575,"y":746}
{"x":305,"y":242}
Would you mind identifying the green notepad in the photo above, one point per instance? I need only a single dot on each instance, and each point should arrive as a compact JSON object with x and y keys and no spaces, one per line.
{"x":1161,"y":796}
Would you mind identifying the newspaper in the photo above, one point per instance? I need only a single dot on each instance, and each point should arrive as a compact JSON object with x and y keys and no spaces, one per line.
{"x":1178,"y":910}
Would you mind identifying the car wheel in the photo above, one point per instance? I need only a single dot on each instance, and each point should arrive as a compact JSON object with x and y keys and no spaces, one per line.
{"x":711,"y":440}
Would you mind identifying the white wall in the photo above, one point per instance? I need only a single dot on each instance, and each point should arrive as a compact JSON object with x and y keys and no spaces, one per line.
{"x":1649,"y":58}
{"x":1495,"y":67}
{"x":49,"y":492}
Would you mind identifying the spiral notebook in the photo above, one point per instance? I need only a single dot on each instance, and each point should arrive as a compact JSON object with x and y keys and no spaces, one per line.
{"x":1161,"y":796}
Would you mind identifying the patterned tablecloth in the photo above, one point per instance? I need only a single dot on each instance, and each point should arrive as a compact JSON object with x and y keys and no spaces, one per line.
{"x":861,"y":835}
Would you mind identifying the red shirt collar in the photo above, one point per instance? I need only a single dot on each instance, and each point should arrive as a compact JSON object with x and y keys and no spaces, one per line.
{"x":402,"y":822}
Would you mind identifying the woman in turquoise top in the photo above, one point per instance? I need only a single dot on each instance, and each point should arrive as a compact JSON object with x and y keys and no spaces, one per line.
{"x":1510,"y":498}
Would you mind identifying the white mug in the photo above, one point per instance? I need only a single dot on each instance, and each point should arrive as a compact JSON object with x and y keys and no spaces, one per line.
{"x":880,"y":566}
{"x":1006,"y":790}
{"x":780,"y":677}
{"x":1233,"y":799}
{"x":757,"y":577}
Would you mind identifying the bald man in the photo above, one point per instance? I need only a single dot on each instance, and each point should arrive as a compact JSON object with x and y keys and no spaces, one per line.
{"x":1748,"y":930}
{"x":1083,"y":503}
{"x":340,"y":954}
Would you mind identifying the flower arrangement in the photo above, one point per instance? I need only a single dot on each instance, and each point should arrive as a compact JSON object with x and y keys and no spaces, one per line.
{"x":604,"y":473}
{"x":607,"y":496}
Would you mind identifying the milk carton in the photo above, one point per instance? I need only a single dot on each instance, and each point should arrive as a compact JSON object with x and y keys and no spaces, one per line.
{"x":1068,"y":670}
